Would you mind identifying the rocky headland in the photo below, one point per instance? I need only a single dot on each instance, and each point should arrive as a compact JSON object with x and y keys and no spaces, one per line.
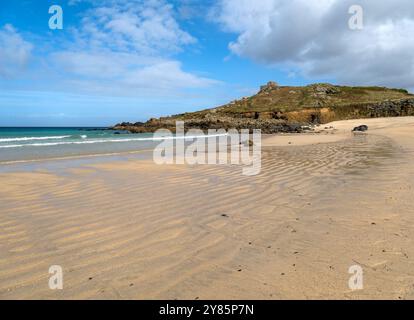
{"x":276,"y":109}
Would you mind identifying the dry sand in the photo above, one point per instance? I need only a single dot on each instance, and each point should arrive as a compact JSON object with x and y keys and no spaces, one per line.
{"x":129,"y":229}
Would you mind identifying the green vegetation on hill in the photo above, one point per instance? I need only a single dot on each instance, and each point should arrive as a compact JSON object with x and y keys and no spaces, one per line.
{"x":286,"y":109}
{"x":274,"y":98}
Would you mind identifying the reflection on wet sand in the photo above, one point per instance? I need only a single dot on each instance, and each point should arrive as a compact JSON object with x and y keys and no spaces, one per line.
{"x":129,"y":229}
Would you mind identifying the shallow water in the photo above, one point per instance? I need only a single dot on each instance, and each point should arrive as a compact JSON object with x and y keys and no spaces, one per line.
{"x":28,"y":144}
{"x":18,"y":144}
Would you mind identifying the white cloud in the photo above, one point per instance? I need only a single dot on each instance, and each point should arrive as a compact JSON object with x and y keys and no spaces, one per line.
{"x":15,"y":52}
{"x":145,"y":27}
{"x":167,"y":75}
{"x":313,"y":36}
{"x":125,"y":73}
{"x":119,"y":47}
{"x":126,"y":47}
{"x":73,"y":2}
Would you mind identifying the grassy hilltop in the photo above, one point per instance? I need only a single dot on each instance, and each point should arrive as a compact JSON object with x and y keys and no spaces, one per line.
{"x":281,"y":108}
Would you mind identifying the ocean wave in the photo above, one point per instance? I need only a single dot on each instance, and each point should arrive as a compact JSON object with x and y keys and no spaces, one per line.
{"x":46,"y":144}
{"x":33,"y":138}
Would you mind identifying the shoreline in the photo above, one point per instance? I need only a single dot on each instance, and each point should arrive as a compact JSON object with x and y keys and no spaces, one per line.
{"x":325,"y":133}
{"x":129,"y":229}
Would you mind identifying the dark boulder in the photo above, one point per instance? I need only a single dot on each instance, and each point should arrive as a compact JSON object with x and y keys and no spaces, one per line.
{"x":362,"y":128}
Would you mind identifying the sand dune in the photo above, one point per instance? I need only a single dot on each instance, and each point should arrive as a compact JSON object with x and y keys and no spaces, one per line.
{"x":129,"y":229}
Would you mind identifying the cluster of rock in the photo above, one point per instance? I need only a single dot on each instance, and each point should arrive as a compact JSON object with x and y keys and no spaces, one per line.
{"x":392,"y":109}
{"x":214,"y":122}
{"x":270,"y":86}
{"x":323,"y":89}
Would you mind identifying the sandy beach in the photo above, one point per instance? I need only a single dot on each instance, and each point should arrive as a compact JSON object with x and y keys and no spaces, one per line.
{"x":126,"y":228}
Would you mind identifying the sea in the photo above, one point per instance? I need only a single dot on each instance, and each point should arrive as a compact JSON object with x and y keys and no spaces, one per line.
{"x":31,"y":144}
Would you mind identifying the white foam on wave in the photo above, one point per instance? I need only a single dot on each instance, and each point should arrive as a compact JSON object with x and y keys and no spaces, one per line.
{"x":46,"y":144}
{"x":33,"y":138}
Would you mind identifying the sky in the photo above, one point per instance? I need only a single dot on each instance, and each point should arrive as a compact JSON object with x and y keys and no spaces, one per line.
{"x":119,"y":60}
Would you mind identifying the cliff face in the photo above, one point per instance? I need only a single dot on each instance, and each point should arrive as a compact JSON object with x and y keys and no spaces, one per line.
{"x":287,"y":109}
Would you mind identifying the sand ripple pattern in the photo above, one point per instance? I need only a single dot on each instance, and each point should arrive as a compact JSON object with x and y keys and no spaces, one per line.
{"x":135,"y":230}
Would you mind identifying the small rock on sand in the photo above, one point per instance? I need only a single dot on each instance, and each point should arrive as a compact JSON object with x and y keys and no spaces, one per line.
{"x":362,"y":128}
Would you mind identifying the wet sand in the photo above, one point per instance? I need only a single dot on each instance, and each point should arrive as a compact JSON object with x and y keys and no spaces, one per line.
{"x":125,"y":228}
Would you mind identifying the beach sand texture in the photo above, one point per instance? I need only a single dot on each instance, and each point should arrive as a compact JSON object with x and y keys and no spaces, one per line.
{"x":129,"y":229}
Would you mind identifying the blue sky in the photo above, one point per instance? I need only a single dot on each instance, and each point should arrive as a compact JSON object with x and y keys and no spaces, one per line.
{"x":118,"y":60}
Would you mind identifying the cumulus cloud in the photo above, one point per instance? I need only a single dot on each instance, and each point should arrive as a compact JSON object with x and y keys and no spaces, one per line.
{"x":146,"y":27}
{"x":15,"y":52}
{"x":125,"y":73}
{"x":314,"y":38}
{"x":118,"y":47}
{"x":128,"y":47}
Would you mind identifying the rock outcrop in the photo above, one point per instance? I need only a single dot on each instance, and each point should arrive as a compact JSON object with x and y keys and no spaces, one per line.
{"x":290,"y":109}
{"x":270,"y":86}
